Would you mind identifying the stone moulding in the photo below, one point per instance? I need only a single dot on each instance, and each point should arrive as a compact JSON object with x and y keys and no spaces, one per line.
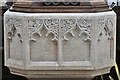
{"x":49,"y":44}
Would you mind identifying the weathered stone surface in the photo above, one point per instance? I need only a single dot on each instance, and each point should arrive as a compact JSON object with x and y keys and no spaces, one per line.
{"x":56,"y":45}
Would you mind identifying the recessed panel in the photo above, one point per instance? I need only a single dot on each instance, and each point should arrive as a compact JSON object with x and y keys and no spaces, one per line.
{"x":43,"y":49}
{"x":76,"y":49}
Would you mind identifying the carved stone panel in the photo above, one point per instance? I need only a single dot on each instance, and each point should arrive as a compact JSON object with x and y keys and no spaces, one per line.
{"x":106,"y":34}
{"x":64,"y":36}
{"x":58,"y":44}
{"x":14,"y":35}
{"x":80,"y":37}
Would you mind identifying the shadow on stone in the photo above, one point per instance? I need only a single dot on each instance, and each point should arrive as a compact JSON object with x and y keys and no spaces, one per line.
{"x":6,"y":75}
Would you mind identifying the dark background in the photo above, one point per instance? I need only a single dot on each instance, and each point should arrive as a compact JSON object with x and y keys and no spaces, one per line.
{"x":6,"y":75}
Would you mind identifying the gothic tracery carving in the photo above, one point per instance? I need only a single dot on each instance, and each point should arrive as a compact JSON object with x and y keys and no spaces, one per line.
{"x":105,"y":26}
{"x":14,"y":25}
{"x":66,"y":25}
{"x":85,"y":28}
{"x":52,"y":26}
{"x":109,"y":28}
{"x":34,"y":25}
{"x":60,"y":27}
